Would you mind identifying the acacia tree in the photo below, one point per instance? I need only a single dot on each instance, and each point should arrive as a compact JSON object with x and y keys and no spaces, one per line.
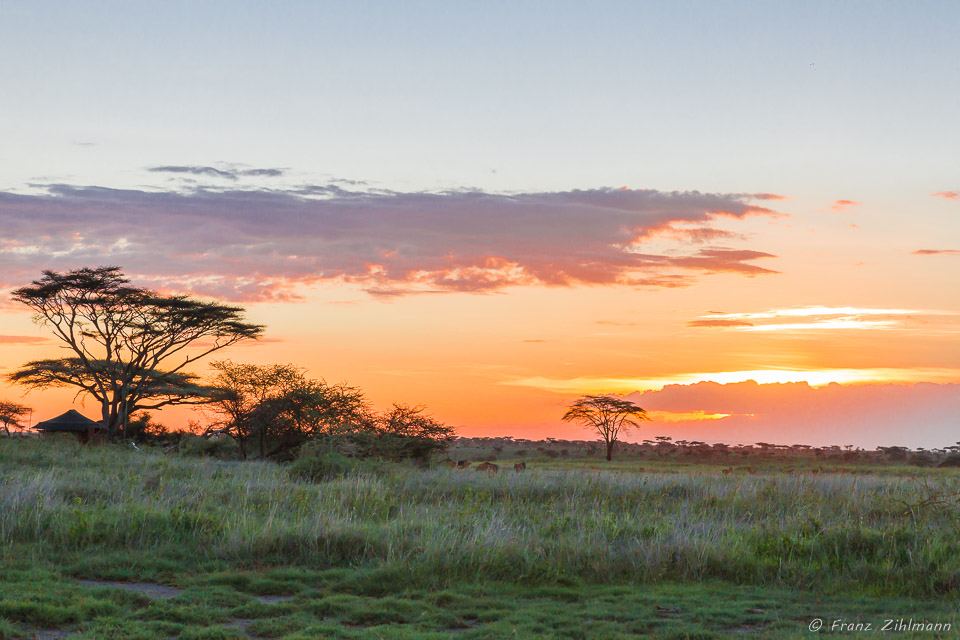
{"x":129,"y":345}
{"x":406,"y":431}
{"x":607,"y":415}
{"x":277,"y":408}
{"x":12,"y":415}
{"x":272,"y":409}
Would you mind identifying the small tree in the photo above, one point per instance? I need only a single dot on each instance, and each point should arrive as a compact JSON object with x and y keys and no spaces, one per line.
{"x":276,"y":408}
{"x":128,"y":343}
{"x":607,"y":415}
{"x":406,"y":432}
{"x":12,"y":415}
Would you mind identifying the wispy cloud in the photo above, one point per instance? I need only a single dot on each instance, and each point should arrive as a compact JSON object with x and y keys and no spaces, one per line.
{"x":232,"y":174}
{"x":947,"y":195}
{"x":805,"y":312}
{"x":245,"y":244}
{"x":936,"y":252}
{"x":816,"y":319}
{"x":719,"y":322}
{"x":813,"y":377}
{"x":820,"y":325}
{"x":840,"y":205}
{"x":23,"y":340}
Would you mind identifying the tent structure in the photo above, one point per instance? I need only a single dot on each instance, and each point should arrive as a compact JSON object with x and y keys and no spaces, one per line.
{"x":73,"y":422}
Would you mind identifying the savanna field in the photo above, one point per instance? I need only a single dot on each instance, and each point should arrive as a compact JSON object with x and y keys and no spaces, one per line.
{"x":111,"y":542}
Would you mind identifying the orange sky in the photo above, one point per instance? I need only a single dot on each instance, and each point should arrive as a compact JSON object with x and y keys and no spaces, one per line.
{"x":491,"y":210}
{"x":848,"y":305}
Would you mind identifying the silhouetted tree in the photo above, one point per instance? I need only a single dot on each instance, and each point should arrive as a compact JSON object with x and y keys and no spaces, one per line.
{"x":407,"y":432}
{"x":277,"y":408}
{"x":12,"y":415}
{"x":609,"y":416}
{"x":128,"y":343}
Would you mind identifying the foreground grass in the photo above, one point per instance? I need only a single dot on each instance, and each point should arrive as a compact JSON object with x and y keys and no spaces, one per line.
{"x":408,"y":553}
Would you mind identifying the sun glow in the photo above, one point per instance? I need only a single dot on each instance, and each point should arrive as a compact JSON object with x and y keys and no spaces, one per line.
{"x":803,"y":312}
{"x":813,"y":377}
{"x":684,"y":416}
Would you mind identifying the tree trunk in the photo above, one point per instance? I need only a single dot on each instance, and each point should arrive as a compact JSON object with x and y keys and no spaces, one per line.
{"x":610,"y":450}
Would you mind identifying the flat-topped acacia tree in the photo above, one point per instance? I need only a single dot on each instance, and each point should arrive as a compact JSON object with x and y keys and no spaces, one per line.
{"x":12,"y":415}
{"x":128,"y":343}
{"x":607,"y":415}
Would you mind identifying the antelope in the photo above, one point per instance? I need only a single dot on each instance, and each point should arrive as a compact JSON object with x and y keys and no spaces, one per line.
{"x":520,"y":466}
{"x":488,"y":466}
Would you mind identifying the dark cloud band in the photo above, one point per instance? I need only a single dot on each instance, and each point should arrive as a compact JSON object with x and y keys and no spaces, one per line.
{"x":259,"y":244}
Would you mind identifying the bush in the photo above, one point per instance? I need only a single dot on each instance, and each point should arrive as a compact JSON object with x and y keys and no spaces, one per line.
{"x":319,"y":465}
{"x":952,"y":460}
{"x":216,"y":447}
{"x":322,"y":466}
{"x":920,"y":460}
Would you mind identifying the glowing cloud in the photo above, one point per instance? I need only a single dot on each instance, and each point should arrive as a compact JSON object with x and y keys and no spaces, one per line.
{"x":262,"y":244}
{"x":28,"y":340}
{"x":936,"y":252}
{"x":813,"y":377}
{"x":840,"y":205}
{"x":816,"y":319}
{"x":947,"y":195}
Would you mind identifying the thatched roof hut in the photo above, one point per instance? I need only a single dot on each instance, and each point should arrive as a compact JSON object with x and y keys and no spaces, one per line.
{"x":73,"y":422}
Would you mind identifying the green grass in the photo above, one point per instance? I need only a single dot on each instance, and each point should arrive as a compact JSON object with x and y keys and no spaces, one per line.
{"x":562,"y":551}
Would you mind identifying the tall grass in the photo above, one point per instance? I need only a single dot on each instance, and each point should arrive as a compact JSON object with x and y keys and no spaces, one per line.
{"x":890,"y":535}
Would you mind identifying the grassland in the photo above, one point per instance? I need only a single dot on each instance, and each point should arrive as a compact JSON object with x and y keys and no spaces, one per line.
{"x":569,"y":549}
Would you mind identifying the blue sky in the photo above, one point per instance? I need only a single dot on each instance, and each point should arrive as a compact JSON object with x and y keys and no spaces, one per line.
{"x":795,"y":97}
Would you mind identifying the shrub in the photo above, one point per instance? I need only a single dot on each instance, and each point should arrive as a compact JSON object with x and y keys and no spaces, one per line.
{"x":216,"y":447}
{"x":319,"y":465}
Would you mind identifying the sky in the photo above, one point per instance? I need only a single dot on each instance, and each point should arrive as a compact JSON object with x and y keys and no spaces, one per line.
{"x":744,"y":216}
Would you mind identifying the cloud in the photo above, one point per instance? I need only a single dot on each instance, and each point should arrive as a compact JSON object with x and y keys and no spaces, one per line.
{"x":769,"y":196}
{"x":936,"y":252}
{"x":23,"y":340}
{"x":813,"y":377}
{"x":251,"y":245}
{"x":840,"y":205}
{"x":947,"y":195}
{"x":708,"y":322}
{"x":821,"y":318}
{"x":227,"y":174}
{"x":695,"y":235}
{"x":922,"y":414}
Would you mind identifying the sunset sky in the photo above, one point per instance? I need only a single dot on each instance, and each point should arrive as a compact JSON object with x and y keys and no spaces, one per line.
{"x":744,"y":215}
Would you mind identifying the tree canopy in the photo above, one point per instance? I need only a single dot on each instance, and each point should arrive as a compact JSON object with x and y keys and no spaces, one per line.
{"x":277,"y":407}
{"x":271,"y":410}
{"x":12,"y":415}
{"x":129,"y":345}
{"x":608,"y":415}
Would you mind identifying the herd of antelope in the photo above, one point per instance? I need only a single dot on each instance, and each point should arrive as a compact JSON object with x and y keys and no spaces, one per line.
{"x":489,"y":467}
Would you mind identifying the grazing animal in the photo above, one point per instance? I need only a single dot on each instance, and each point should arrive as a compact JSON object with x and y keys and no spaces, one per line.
{"x":520,"y":466}
{"x":451,"y":464}
{"x":488,"y":466}
{"x":463,"y":464}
